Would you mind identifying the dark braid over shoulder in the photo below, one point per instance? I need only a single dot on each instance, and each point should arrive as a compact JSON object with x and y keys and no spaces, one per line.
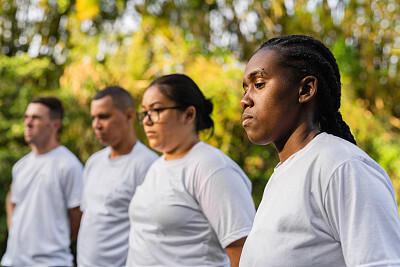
{"x":306,"y":55}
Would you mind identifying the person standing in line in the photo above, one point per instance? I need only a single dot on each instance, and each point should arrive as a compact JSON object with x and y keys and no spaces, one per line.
{"x":327,"y":203}
{"x":43,"y":203}
{"x":194,"y":207}
{"x":110,"y":178}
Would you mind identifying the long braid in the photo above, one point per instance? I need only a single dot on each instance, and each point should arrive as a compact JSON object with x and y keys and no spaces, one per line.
{"x":308,"y":56}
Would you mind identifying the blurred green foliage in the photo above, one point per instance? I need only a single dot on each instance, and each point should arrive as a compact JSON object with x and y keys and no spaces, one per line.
{"x":71,"y":49}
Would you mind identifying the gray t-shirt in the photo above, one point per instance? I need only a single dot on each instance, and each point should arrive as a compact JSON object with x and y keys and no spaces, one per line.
{"x":189,"y":209}
{"x":109,"y":185}
{"x":329,"y":204}
{"x":44,"y":187}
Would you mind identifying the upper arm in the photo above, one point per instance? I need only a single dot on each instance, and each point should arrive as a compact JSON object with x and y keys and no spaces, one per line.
{"x":226,"y":201}
{"x":73,"y":185}
{"x":75,"y":215}
{"x":9,"y":208}
{"x":234,"y":250}
{"x":363,"y":214}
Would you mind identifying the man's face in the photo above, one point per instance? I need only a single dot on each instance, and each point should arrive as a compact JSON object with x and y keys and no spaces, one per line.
{"x":110,"y":124}
{"x":39,"y":127}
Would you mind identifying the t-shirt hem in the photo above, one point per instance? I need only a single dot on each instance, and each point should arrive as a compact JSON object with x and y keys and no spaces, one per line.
{"x":381,"y":263}
{"x":74,"y":205}
{"x":235,"y":236}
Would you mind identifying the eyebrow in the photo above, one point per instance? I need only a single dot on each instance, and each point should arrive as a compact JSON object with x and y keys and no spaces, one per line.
{"x":153,"y":104}
{"x":254,"y":73}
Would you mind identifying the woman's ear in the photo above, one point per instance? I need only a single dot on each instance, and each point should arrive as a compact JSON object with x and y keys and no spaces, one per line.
{"x":190,"y":114}
{"x":308,"y":89}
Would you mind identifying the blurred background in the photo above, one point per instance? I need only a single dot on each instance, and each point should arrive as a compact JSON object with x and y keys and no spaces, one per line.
{"x":72,"y":48}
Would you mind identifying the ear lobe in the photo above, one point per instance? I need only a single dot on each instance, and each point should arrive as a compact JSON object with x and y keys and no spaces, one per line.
{"x":308,"y":89}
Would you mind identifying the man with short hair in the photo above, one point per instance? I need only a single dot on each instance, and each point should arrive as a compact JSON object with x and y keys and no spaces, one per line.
{"x":42,"y":206}
{"x":111,"y":176}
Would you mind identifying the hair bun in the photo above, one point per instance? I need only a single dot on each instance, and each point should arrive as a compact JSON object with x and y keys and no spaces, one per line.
{"x":208,"y":106}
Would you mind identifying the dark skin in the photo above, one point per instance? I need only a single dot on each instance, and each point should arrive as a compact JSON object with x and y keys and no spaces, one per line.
{"x":278,"y":108}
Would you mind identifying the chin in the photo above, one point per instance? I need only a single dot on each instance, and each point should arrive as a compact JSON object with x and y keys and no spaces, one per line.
{"x":258,"y":140}
{"x":155,"y":146}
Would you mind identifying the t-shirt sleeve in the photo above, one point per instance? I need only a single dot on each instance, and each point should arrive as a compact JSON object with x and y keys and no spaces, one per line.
{"x":363,"y":214}
{"x":72,"y":183}
{"x":226,"y":201}
{"x":14,"y":192}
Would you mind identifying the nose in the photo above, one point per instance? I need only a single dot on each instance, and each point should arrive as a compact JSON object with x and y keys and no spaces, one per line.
{"x":246,"y":101}
{"x":147,"y":120}
{"x":96,"y":123}
{"x":28,"y":122}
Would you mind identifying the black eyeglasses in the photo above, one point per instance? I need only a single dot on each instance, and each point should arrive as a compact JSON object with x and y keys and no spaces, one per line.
{"x":153,"y":114}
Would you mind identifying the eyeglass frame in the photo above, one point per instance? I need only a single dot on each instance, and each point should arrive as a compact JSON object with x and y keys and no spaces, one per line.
{"x":141,"y":115}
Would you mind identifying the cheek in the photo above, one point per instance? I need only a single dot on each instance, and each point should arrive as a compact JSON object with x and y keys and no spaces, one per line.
{"x":164,"y":139}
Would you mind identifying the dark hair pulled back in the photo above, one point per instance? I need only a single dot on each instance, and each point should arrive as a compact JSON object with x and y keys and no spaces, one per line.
{"x":185,"y":92}
{"x":308,"y":56}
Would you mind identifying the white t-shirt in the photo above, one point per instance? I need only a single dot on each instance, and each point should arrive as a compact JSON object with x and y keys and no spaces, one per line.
{"x":329,"y":204}
{"x":188,"y":210}
{"x":109,"y":185}
{"x":44,"y":187}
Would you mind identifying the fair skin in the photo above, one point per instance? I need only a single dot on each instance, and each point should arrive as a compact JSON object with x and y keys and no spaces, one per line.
{"x":277,"y":109}
{"x":174,"y":135}
{"x":112,"y":126}
{"x":40,"y":130}
{"x":41,"y":134}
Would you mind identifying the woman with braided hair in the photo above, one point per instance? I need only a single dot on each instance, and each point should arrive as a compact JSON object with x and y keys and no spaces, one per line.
{"x":327,"y":203}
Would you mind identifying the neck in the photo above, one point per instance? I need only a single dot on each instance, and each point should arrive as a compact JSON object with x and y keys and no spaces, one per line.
{"x":45,"y":148}
{"x":296,"y":141}
{"x":124,"y":148}
{"x":182,"y":149}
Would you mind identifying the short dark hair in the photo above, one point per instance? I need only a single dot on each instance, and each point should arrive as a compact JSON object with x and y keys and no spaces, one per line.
{"x":185,"y":92}
{"x":121,"y":98}
{"x":54,"y":105}
{"x":304,"y":56}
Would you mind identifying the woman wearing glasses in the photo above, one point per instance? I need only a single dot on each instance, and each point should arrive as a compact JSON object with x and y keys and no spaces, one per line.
{"x":194,"y":207}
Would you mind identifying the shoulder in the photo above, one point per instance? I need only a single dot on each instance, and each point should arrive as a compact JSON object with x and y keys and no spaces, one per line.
{"x":338,"y":150}
{"x":206,"y":162}
{"x":210,"y":157}
{"x":143,"y":154}
{"x":64,"y":157}
{"x":23,"y":161}
{"x":99,"y":155}
{"x":329,"y":153}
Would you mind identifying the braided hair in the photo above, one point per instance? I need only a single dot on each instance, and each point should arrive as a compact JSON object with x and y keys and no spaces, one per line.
{"x":306,"y":56}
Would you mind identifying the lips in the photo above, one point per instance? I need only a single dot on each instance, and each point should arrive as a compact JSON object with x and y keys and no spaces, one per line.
{"x":246,"y":118}
{"x":150,"y":134}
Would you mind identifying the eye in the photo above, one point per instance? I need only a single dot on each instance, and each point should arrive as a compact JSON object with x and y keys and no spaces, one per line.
{"x":259,"y":85}
{"x":104,"y":116}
